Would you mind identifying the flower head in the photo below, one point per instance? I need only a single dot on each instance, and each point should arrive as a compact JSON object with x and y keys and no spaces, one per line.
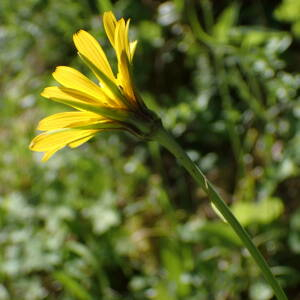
{"x":112,"y":103}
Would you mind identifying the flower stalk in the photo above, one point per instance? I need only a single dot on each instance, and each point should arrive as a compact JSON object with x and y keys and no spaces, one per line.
{"x":167,"y":141}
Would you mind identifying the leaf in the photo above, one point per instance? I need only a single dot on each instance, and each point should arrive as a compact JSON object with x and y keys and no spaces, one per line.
{"x":104,"y":5}
{"x":260,"y":291}
{"x":162,"y":292}
{"x":225,"y":22}
{"x":71,"y":285}
{"x":288,"y":10}
{"x":84,"y":252}
{"x":263,"y":212}
{"x":220,"y":233}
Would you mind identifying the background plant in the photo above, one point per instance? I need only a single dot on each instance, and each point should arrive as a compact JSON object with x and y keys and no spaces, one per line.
{"x":117,"y":219}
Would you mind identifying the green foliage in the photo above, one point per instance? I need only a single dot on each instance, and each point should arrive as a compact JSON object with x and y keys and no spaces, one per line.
{"x":289,"y":11}
{"x":117,"y":218}
{"x":263,"y":212}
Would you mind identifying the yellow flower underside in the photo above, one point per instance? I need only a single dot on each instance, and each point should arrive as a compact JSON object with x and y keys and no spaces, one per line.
{"x":112,"y":92}
{"x":71,"y":78}
{"x":71,"y":119}
{"x":54,"y":141}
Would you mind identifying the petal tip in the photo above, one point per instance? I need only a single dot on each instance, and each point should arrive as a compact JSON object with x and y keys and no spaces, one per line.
{"x":77,"y":34}
{"x":55,"y":71}
{"x":44,"y":93}
{"x":31,"y":145}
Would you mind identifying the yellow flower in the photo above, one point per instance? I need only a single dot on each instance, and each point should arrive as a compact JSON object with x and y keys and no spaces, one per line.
{"x":113,"y":103}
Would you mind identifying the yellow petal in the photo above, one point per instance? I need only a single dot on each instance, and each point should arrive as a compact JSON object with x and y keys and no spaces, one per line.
{"x":109,"y":87}
{"x":83,"y":102}
{"x":50,"y":141}
{"x":70,"y":120}
{"x":109,"y":21}
{"x":75,"y":144}
{"x":132,"y":47}
{"x":56,"y":92}
{"x":50,"y":153}
{"x":124,"y":77}
{"x":123,"y":55}
{"x":80,"y":142}
{"x":126,"y":39}
{"x":87,"y":45}
{"x":73,"y":79}
{"x":121,"y":38}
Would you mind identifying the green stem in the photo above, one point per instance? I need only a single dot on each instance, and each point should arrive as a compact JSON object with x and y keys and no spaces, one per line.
{"x":166,"y":140}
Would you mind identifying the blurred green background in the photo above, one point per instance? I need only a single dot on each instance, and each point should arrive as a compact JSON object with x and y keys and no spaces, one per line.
{"x":117,"y":218}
